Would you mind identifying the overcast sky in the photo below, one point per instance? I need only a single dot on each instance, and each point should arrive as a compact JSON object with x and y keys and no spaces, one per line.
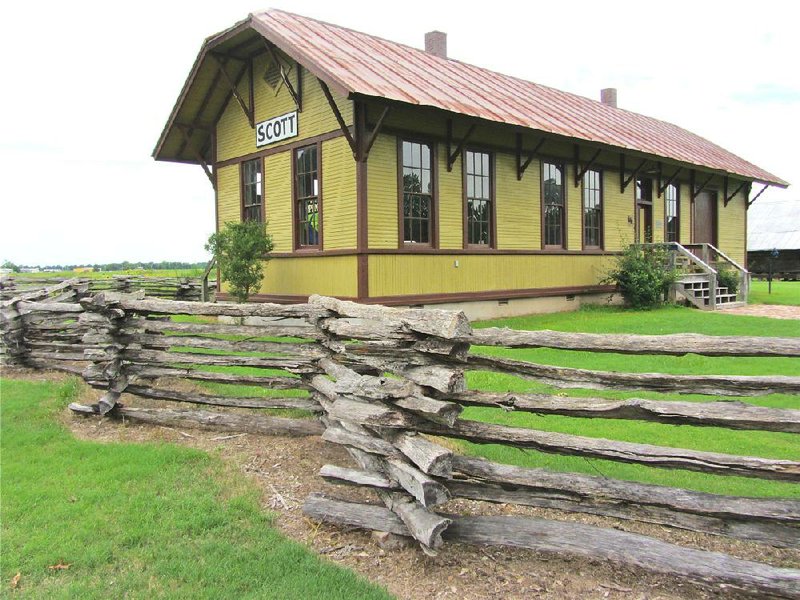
{"x":87,"y":88}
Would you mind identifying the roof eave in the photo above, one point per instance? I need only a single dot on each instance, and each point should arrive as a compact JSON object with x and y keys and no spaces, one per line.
{"x":209,"y":43}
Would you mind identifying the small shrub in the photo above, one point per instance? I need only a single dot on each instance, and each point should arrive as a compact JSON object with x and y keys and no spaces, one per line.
{"x":728,"y":278}
{"x":240,"y":249}
{"x":642,"y":275}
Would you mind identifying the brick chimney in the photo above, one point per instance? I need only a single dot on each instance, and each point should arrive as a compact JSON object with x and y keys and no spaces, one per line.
{"x":436,"y":43}
{"x":609,"y":96}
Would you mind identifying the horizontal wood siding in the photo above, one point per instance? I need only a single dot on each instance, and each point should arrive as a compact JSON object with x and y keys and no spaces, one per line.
{"x":685,"y":215}
{"x":451,"y":202}
{"x":518,"y":208}
{"x":382,"y":193}
{"x":731,"y":233}
{"x":392,"y":275}
{"x":617,"y":212}
{"x":328,"y":275}
{"x":338,"y":195}
{"x":236,"y":138}
{"x":278,"y":193}
{"x":229,"y":209}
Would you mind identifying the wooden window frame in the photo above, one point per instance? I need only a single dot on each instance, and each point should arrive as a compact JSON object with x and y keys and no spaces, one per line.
{"x":562,"y":164}
{"x":677,"y":212}
{"x":434,"y":209}
{"x":492,"y":245}
{"x":295,"y":202}
{"x":260,"y":162}
{"x":601,"y":233}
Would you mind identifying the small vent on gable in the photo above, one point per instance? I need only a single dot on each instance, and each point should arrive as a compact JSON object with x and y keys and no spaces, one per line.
{"x":272,"y":74}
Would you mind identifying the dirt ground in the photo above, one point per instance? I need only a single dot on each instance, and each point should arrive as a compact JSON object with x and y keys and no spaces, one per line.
{"x":774,"y":311}
{"x":285,"y":469}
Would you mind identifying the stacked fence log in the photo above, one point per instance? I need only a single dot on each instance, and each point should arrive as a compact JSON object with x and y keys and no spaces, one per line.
{"x":388,"y":385}
{"x":165,"y":287}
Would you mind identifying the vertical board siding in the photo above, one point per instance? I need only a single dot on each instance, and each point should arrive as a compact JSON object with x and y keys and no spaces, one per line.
{"x":328,"y":275}
{"x":518,"y":205}
{"x":229,"y":208}
{"x":404,"y":274}
{"x":338,"y":195}
{"x":278,"y":196}
{"x":731,"y":223}
{"x":382,"y":193}
{"x":451,"y":201}
{"x":236,"y":138}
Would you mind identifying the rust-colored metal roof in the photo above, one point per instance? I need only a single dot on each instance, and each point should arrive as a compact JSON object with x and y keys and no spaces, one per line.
{"x":354,"y":62}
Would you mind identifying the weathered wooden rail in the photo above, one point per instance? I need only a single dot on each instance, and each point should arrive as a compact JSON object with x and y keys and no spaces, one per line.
{"x":387,"y":383}
{"x":165,"y":287}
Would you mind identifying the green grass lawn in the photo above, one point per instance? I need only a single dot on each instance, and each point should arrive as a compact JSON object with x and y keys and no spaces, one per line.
{"x":149,"y":520}
{"x":661,"y":321}
{"x":783,"y":292}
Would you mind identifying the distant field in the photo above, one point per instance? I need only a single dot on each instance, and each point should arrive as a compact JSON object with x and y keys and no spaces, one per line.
{"x":783,"y":292}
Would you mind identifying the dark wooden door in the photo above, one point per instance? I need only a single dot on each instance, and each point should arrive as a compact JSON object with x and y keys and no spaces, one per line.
{"x":704,"y":228}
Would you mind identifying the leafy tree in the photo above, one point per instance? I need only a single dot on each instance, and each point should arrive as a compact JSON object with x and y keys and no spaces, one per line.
{"x":9,"y":265}
{"x":240,"y":249}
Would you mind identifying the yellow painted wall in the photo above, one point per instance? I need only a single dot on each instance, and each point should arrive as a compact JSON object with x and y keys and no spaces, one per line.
{"x":451,"y":202}
{"x":731,"y":231}
{"x":404,"y":274}
{"x":236,"y":138}
{"x":518,"y":209}
{"x":278,"y":195}
{"x":229,"y":208}
{"x":382,"y":196}
{"x":328,"y":275}
{"x":618,"y":215}
{"x":685,"y":215}
{"x":338,"y":195}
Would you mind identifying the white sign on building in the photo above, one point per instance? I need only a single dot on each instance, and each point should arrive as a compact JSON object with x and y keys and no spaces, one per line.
{"x":276,"y":129}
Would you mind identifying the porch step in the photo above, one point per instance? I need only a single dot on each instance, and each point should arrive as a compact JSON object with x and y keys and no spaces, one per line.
{"x":692,"y":277}
{"x":728,"y":305}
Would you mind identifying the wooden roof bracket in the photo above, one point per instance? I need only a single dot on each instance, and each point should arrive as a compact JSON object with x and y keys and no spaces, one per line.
{"x":729,"y":197}
{"x":295,"y":92}
{"x":522,"y":167}
{"x":624,"y":183}
{"x":695,"y":191}
{"x":668,"y":182}
{"x":186,"y":132}
{"x":580,"y":173}
{"x":373,"y":135}
{"x":451,"y":157}
{"x":339,"y":119}
{"x":234,"y":85}
{"x":764,"y":189}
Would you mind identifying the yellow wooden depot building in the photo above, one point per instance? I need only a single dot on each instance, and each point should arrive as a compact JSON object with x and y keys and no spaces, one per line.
{"x":394,"y":175}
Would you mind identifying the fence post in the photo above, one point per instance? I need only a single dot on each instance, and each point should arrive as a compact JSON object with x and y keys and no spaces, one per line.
{"x":107,"y":371}
{"x":712,"y":291}
{"x":12,"y":340}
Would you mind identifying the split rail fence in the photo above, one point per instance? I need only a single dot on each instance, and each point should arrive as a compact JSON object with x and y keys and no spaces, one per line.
{"x":388,"y":384}
{"x":171,"y":288}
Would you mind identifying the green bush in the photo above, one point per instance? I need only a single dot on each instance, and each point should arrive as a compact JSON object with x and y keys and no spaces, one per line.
{"x":728,"y":278}
{"x":642,"y":275}
{"x":240,"y":249}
